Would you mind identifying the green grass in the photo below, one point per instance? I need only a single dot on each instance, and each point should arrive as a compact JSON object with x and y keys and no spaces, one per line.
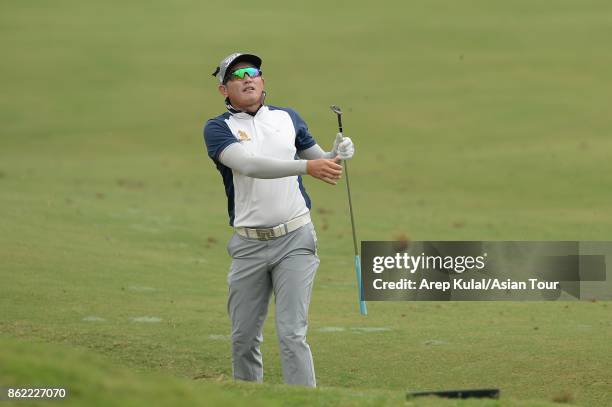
{"x":472,"y":120}
{"x":93,"y":381}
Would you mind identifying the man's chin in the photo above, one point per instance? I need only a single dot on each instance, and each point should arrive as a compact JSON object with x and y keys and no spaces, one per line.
{"x":250,"y":101}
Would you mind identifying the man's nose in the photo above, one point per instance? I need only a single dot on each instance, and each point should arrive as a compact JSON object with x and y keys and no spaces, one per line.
{"x":247,"y":78}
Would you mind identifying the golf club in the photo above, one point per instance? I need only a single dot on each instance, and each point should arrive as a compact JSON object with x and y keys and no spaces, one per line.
{"x":362,"y":304}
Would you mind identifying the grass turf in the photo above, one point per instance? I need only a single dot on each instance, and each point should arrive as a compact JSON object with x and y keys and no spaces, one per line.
{"x":472,"y":120}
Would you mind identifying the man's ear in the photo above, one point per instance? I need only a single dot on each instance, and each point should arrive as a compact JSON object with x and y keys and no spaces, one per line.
{"x":223,"y":90}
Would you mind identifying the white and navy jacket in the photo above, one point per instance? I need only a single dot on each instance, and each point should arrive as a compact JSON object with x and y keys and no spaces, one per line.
{"x":273,"y":132}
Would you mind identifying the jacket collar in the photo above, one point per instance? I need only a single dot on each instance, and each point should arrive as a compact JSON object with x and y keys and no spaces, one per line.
{"x":244,"y":115}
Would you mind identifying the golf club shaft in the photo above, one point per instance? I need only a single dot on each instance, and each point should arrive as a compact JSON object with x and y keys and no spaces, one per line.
{"x":348,"y":190}
{"x":362,"y":304}
{"x":363,"y":309}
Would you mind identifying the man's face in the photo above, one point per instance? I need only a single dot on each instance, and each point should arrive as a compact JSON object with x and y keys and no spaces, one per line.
{"x":245,"y":92}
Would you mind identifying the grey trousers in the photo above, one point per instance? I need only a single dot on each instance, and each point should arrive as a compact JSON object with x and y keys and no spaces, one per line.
{"x":287,"y":267}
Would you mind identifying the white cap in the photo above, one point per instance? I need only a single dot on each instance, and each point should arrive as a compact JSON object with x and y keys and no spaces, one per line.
{"x":233,"y":59}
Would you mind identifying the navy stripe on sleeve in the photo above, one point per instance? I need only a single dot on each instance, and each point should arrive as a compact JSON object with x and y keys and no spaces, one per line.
{"x":217,"y":136}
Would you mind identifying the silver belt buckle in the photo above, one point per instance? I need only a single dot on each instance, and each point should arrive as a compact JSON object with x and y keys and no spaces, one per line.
{"x":265,"y":234}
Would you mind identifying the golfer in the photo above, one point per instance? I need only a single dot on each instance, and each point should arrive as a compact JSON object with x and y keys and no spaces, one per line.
{"x":262,"y":152}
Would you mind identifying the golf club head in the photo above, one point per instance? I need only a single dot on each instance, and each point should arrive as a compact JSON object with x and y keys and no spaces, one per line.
{"x":336,"y":109}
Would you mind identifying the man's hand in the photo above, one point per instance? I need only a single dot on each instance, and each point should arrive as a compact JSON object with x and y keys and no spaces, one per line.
{"x":325,"y":169}
{"x":343,"y":147}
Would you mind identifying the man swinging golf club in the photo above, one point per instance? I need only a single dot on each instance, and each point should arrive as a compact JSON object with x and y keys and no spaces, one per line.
{"x":262,"y":152}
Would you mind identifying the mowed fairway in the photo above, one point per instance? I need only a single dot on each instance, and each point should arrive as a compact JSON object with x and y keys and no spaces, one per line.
{"x":472,"y":120}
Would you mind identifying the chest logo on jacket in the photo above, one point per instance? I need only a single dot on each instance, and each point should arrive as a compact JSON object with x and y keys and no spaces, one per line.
{"x":243,"y":136}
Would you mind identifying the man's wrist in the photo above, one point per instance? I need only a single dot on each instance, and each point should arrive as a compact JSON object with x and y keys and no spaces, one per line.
{"x":303,"y":167}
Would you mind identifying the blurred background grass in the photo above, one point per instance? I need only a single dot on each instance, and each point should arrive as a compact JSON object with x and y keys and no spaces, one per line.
{"x":472,"y":120}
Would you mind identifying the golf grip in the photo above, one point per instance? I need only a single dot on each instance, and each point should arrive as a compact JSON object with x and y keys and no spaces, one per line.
{"x":363,"y":309}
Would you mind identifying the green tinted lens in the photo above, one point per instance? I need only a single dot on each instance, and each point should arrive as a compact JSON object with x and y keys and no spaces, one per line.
{"x":252,"y":72}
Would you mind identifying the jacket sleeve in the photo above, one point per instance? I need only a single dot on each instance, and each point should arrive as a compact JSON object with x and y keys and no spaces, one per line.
{"x":315,"y":152}
{"x":303,"y":138}
{"x":244,"y":162}
{"x":217,"y":136}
